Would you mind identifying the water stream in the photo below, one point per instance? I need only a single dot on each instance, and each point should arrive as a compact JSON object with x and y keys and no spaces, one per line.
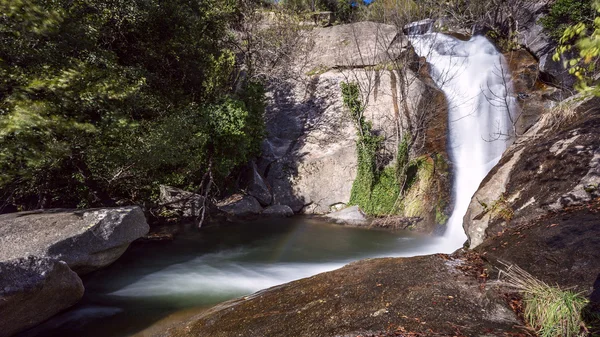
{"x":164,"y":282}
{"x":167,"y":282}
{"x":475,"y":79}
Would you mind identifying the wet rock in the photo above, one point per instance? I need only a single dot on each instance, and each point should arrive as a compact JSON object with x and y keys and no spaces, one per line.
{"x":157,"y":236}
{"x":397,"y":222}
{"x":434,"y":294}
{"x":547,"y":170}
{"x":419,"y":27}
{"x":533,"y":96}
{"x":349,"y":216}
{"x":257,"y":187}
{"x":32,"y":289}
{"x":239,"y":207}
{"x":278,"y":211}
{"x":86,"y":240}
{"x":186,"y":204}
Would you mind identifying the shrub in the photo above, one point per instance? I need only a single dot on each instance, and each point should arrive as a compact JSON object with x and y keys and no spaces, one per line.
{"x":551,"y":311}
{"x":564,"y":13}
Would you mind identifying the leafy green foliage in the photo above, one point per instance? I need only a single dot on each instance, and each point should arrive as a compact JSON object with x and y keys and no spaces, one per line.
{"x":402,"y":160}
{"x":564,"y":13}
{"x":384,"y":195}
{"x":102,"y":101}
{"x":367,"y":146}
{"x":378,"y":191}
{"x":584,"y":65}
{"x":408,"y":186}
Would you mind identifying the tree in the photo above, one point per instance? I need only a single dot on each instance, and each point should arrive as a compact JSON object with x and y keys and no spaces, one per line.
{"x":584,"y":66}
{"x":100,"y":102}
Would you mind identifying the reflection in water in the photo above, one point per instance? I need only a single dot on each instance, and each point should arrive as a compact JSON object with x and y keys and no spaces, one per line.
{"x":167,"y":282}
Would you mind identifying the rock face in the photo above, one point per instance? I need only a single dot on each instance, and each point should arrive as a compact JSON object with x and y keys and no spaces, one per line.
{"x":539,"y":206}
{"x":546,"y":170}
{"x":186,"y":204}
{"x":533,"y":37}
{"x":33,"y":289}
{"x":534,"y":97}
{"x":85,"y":240}
{"x":370,"y":297}
{"x":309,"y":156}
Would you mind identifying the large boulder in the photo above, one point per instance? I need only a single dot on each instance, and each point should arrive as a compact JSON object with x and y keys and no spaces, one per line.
{"x":86,"y":240}
{"x":359,"y":44}
{"x":240,"y":207}
{"x":33,"y":289}
{"x":309,"y":155}
{"x":426,"y":295}
{"x":277,"y":211}
{"x":539,"y":207}
{"x":349,"y":216}
{"x":553,"y":166}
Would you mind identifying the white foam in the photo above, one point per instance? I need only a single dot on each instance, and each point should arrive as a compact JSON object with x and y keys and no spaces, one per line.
{"x":196,"y":277}
{"x":475,"y":78}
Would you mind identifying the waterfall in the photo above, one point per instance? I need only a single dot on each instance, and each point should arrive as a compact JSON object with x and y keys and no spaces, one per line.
{"x":475,"y":79}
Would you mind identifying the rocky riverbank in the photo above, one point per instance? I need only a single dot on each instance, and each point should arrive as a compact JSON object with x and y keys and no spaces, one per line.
{"x":43,"y":252}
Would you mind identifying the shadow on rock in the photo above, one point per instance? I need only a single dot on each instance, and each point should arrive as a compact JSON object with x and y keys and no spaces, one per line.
{"x":591,"y":313}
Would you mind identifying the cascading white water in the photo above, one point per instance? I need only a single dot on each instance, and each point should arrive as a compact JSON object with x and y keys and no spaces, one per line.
{"x":476,"y":81}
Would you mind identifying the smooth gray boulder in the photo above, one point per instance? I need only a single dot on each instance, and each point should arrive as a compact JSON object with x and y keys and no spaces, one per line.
{"x":278,"y":211}
{"x":33,"y":289}
{"x":349,"y":216}
{"x":358,"y":44}
{"x":86,"y":240}
{"x":241,"y":207}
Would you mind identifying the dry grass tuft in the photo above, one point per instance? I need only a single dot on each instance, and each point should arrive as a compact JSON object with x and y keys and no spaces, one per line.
{"x":551,"y":311}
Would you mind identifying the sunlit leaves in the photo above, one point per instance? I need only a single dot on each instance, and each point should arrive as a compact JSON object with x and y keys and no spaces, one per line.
{"x":107,"y":99}
{"x":587,"y":45}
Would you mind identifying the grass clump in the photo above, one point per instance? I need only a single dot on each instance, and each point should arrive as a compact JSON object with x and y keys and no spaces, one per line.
{"x":551,"y":311}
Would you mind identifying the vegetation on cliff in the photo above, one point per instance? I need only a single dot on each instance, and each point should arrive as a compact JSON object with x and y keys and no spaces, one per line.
{"x":582,"y":40}
{"x":381,"y":189}
{"x":565,"y":13}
